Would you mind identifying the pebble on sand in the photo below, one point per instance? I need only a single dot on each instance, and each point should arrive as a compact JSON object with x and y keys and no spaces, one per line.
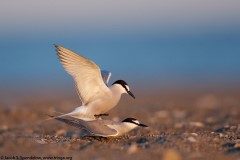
{"x":61,"y":132}
{"x":197,"y":124}
{"x":172,"y":154}
{"x":192,"y":139}
{"x":237,"y":145}
{"x":221,"y":135}
{"x":179,"y":125}
{"x":132,"y":149}
{"x":40,"y":141}
{"x":194,"y":134}
{"x":238,"y":128}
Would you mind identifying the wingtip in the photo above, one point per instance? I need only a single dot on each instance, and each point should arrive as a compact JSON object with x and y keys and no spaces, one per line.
{"x":58,"y":47}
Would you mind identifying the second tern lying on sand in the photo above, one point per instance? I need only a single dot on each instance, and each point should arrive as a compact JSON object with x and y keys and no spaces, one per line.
{"x":97,"y":98}
{"x":104,"y":128}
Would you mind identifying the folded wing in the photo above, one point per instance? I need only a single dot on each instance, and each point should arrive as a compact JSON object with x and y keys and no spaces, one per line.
{"x":99,"y":128}
{"x":95,"y":127}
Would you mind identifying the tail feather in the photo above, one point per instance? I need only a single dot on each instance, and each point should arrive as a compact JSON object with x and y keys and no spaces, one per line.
{"x":53,"y":117}
{"x":70,"y":122}
{"x":74,"y":114}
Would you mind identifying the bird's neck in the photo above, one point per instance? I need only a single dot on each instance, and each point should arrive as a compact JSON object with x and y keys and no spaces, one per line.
{"x":127,"y":127}
{"x":117,"y":89}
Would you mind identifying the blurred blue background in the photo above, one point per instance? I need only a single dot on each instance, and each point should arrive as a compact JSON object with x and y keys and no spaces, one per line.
{"x":150,"y":44}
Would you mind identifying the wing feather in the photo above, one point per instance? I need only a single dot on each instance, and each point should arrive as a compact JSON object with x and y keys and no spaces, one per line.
{"x":98,"y":127}
{"x":106,"y":76}
{"x":86,"y":74}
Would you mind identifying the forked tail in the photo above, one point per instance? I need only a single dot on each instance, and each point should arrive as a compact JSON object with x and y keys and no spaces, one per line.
{"x":75,"y":114}
{"x":63,"y":115}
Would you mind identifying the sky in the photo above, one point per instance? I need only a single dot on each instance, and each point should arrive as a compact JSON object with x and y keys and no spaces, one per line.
{"x":157,"y":42}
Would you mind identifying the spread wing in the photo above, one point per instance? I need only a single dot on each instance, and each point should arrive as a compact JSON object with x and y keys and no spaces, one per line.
{"x":106,"y":76}
{"x":86,"y":74}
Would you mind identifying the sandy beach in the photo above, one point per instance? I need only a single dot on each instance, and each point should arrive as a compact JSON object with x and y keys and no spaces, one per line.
{"x":181,"y":60}
{"x":189,"y":126}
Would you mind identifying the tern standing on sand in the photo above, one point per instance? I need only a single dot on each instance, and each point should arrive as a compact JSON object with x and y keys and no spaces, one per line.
{"x":91,"y":83}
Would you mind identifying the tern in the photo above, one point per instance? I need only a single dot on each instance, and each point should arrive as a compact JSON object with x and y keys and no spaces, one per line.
{"x":92,"y":85}
{"x":104,"y":128}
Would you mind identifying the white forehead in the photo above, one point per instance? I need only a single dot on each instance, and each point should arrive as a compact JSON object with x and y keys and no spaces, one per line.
{"x":136,"y":121}
{"x":127,"y":87}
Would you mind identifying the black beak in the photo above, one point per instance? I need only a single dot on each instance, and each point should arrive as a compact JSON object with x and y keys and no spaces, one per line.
{"x":142,"y":125}
{"x":130,"y":93}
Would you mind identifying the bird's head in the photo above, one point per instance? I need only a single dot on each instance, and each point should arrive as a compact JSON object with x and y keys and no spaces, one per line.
{"x":124,"y":86}
{"x":134,"y":122}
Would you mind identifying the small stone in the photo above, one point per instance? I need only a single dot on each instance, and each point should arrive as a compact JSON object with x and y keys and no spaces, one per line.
{"x":40,"y":141}
{"x":142,"y":140}
{"x":226,"y":136}
{"x":75,"y":135}
{"x":178,"y":125}
{"x":238,"y":127}
{"x":194,"y":134}
{"x":132,"y":149}
{"x":216,"y":139}
{"x":233,"y":150}
{"x":196,"y":124}
{"x":171,"y":154}
{"x":220,"y":130}
{"x":229,"y":144}
{"x":70,"y":133}
{"x":160,"y":140}
{"x":192,"y":139}
{"x":61,"y":132}
{"x":237,"y":141}
{"x":233,"y":127}
{"x":227,"y":126}
{"x":237,"y":145}
{"x":145,"y":146}
{"x":211,"y":120}
{"x":221,"y":135}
